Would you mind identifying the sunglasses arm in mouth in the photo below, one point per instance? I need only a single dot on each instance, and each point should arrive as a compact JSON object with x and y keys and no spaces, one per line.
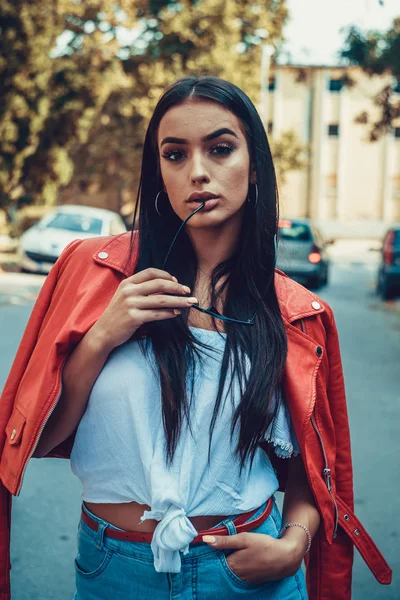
{"x":213,"y":311}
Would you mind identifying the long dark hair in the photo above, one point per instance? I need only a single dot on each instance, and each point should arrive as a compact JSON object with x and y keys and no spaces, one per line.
{"x":262,"y":345}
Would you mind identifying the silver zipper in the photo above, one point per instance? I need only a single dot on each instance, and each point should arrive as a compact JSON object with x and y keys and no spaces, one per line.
{"x":326,"y":471}
{"x":327,"y":475}
{"x":41,"y":429}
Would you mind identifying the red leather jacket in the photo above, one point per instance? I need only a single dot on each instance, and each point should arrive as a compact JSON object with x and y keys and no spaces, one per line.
{"x":74,"y":295}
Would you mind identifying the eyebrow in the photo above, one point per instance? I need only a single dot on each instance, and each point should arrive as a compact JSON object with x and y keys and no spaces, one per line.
{"x":210,"y":136}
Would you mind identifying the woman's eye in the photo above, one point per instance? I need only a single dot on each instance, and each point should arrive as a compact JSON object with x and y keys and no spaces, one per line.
{"x":173,"y":155}
{"x":223,"y":149}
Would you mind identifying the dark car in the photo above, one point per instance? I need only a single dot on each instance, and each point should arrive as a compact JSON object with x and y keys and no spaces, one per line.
{"x":388,"y":283}
{"x":302,"y":252}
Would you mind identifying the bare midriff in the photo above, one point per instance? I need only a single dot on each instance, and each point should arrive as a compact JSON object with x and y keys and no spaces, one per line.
{"x":127,"y":516}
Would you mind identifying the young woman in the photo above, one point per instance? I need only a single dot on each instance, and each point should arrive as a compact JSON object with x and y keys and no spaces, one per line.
{"x":187,"y":383}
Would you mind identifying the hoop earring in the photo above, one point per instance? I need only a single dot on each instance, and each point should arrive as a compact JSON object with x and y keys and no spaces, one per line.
{"x":156,"y":202}
{"x":256,"y":200}
{"x":255,"y":204}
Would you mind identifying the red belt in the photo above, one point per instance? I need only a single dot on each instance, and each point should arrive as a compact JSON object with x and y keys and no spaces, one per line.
{"x":136,"y":536}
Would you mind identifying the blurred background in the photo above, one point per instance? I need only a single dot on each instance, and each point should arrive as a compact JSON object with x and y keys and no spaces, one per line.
{"x":78,"y":83}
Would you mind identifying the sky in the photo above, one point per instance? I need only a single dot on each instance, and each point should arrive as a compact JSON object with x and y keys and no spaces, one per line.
{"x":313,"y":31}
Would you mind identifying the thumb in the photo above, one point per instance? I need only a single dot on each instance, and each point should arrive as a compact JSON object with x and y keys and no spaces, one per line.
{"x":225,"y":541}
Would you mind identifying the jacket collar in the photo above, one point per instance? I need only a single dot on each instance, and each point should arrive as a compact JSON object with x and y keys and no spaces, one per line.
{"x":295,"y":301}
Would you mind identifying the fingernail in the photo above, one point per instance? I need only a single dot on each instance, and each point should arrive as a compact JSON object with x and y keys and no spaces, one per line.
{"x":186,"y":289}
{"x":177,"y":312}
{"x":174,"y":279}
{"x":209,"y":539}
{"x":193,"y":300}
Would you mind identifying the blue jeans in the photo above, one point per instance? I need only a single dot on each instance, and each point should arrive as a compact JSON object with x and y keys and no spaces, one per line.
{"x":110,"y":569}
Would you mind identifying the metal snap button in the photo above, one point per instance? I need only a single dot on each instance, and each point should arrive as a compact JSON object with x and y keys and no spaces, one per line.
{"x":103,"y":255}
{"x":346,"y":517}
{"x":13,"y":434}
{"x":316,"y":305}
{"x":356,"y":532}
{"x":318,"y":350}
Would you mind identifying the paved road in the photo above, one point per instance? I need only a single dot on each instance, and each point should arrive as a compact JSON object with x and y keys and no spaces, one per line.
{"x":45,"y":515}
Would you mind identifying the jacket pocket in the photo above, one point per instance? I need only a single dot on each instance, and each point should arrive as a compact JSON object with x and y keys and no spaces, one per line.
{"x":15,"y":426}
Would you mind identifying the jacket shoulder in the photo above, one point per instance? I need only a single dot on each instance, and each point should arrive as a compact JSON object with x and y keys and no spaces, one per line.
{"x":115,"y":247}
{"x":88,"y":245}
{"x":296,"y":301}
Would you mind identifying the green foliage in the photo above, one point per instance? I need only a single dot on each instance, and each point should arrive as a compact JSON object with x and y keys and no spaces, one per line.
{"x":289,"y":154}
{"x":218,"y":37}
{"x":74,"y":108}
{"x":49,"y":101}
{"x":377,"y":53}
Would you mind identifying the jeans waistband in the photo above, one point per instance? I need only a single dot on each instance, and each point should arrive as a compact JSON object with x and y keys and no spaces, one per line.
{"x":229,"y":525}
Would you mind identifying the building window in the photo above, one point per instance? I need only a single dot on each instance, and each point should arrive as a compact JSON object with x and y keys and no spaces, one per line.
{"x":270,"y":127}
{"x":333,"y":130}
{"x":397,"y":133}
{"x":271,"y":84}
{"x":335,"y":85}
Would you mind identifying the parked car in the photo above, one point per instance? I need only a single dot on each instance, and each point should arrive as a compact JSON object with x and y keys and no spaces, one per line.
{"x":41,"y":245}
{"x":388,"y":280}
{"x":302,"y":252}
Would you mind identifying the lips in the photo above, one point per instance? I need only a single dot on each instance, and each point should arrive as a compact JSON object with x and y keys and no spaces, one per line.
{"x":201,"y":197}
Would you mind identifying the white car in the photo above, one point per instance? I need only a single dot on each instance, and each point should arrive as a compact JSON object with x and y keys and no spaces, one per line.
{"x":41,"y":245}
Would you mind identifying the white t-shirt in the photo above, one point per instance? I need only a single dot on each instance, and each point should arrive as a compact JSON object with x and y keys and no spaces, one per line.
{"x":119,"y":449}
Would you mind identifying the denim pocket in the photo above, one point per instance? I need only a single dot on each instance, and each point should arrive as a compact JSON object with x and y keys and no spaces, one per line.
{"x":222,"y":555}
{"x":272,"y":527}
{"x":90,"y":561}
{"x":268,"y":527}
{"x":288,"y":588}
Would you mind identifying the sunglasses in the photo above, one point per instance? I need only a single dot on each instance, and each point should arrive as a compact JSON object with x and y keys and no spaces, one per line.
{"x":212,"y":310}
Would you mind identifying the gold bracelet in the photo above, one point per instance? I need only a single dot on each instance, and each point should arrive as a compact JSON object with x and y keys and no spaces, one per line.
{"x":295,"y":524}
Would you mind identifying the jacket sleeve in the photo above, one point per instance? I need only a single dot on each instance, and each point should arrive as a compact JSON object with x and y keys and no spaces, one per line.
{"x":6,"y":406}
{"x":21,"y":360}
{"x":29,"y":340}
{"x":329,"y":566}
{"x":25,"y":349}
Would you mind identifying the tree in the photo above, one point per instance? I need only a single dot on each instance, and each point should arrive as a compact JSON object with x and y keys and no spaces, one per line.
{"x":47,"y":101}
{"x":289,"y":154}
{"x":378,"y":53}
{"x":77,"y":110}
{"x":219,"y":37}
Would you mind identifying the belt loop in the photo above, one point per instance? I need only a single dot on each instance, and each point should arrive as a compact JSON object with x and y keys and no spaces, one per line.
{"x":230,"y":525}
{"x":102,"y":526}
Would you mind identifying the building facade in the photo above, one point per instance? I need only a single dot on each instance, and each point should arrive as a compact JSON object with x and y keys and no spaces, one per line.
{"x":348,"y":179}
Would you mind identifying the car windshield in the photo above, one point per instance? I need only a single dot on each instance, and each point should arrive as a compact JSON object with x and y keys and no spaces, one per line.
{"x":297,"y":232}
{"x":75,"y":222}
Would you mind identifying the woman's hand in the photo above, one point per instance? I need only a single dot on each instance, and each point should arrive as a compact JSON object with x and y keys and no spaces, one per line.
{"x":151,"y":295}
{"x":260,"y":557}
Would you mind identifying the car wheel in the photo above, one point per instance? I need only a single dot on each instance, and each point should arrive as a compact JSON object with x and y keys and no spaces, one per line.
{"x":325,"y":278}
{"x":314,"y":283}
{"x":385,"y":291}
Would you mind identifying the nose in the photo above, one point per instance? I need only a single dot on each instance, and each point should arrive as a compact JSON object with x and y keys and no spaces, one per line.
{"x":199,"y":173}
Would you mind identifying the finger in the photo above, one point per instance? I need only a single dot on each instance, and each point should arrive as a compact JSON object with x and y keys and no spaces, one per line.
{"x":161,"y":302}
{"x":236,"y":542}
{"x":147,"y":316}
{"x":161,"y":286}
{"x":149,"y":274}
